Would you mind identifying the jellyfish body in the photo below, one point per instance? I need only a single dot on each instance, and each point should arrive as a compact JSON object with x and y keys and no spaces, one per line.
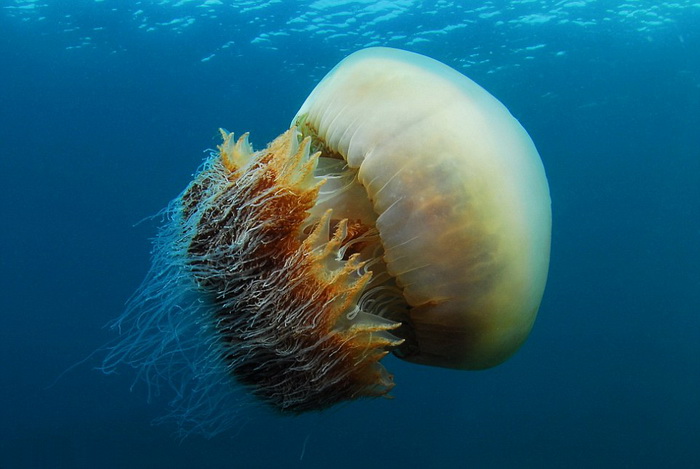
{"x":405,"y":210}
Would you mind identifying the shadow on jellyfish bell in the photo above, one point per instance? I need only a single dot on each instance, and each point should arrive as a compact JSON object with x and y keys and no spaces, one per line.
{"x":404,"y":211}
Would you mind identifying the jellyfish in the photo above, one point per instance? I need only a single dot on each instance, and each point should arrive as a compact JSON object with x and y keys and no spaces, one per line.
{"x":404,"y":211}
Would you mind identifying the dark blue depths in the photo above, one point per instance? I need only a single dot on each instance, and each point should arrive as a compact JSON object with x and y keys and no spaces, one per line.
{"x":95,"y":138}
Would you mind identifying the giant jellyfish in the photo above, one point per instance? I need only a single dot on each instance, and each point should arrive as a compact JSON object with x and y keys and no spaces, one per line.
{"x":404,"y":211}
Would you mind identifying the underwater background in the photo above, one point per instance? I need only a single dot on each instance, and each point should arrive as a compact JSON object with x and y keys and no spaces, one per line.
{"x":107,"y":107}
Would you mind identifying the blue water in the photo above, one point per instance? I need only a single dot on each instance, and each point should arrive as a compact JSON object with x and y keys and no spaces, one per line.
{"x":106,"y":108}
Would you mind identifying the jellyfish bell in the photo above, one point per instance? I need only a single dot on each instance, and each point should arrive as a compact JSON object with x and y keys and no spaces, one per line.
{"x":404,"y":211}
{"x":460,"y":194}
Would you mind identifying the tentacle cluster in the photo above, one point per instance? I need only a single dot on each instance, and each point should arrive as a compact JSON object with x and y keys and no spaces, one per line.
{"x":246,"y":284}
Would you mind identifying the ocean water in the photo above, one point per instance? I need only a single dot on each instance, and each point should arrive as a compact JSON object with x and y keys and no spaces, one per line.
{"x":107,"y":107}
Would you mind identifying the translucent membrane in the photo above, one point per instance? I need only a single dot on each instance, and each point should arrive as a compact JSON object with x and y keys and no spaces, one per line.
{"x":460,"y":194}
